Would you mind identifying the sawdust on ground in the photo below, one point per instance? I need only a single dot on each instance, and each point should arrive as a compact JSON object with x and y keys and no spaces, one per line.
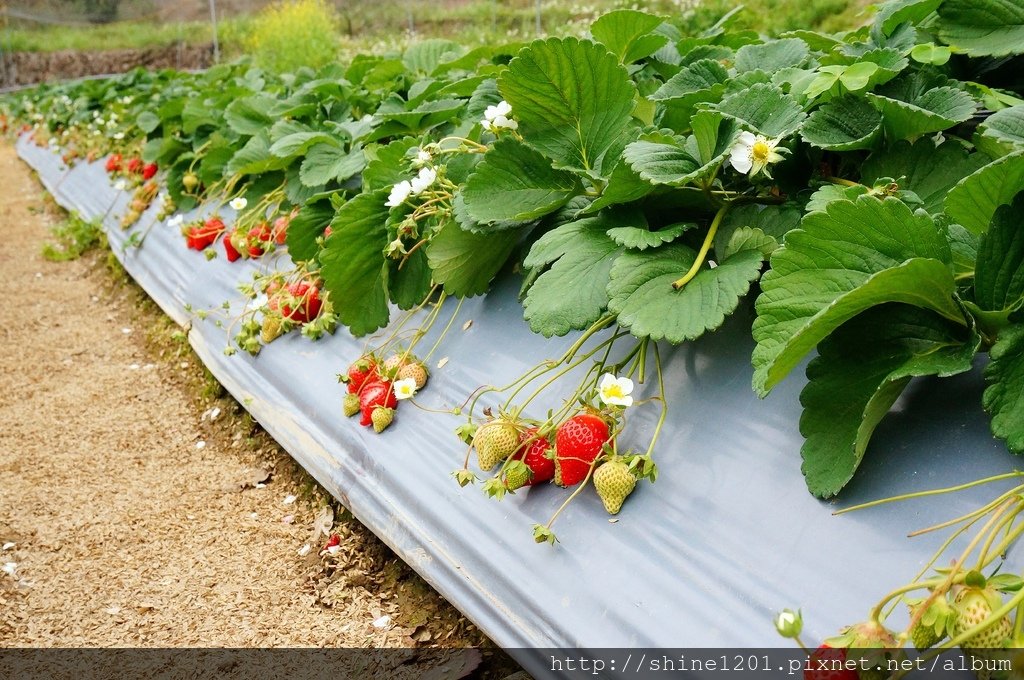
{"x":144,"y":507}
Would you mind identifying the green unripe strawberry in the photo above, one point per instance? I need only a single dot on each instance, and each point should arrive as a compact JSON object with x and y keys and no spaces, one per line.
{"x":495,"y":441}
{"x":189,"y":181}
{"x":614,"y":482}
{"x":974,"y":605}
{"x":350,"y":405}
{"x":381,"y":417}
{"x":932,"y":624}
{"x":924,"y":636}
{"x":270,"y":329}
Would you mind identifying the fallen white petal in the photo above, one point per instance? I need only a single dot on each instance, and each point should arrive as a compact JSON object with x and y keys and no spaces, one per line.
{"x":382,"y":622}
{"x":8,"y":546}
{"x":289,"y":499}
{"x":304,"y":550}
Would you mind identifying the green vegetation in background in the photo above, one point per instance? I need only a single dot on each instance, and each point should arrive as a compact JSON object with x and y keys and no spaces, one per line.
{"x":379,"y":26}
{"x":289,"y":35}
{"x":73,"y":238}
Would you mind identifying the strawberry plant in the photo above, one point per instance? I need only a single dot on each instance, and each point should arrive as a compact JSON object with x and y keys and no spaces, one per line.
{"x":861,"y":191}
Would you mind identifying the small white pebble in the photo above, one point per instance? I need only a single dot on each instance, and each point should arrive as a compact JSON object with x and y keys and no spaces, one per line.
{"x":95,"y":298}
{"x":200,"y":444}
{"x":382,"y":622}
{"x":334,"y":550}
{"x":442,"y":363}
{"x":9,"y":546}
{"x":288,"y":519}
{"x":304,"y":550}
{"x":289,"y":499}
{"x":254,"y":516}
{"x":134,"y":367}
{"x":183,"y":364}
{"x":613,"y":521}
{"x":39,"y":275}
{"x":126,"y":331}
{"x":10,"y":567}
{"x":214,"y":413}
{"x":261,"y":485}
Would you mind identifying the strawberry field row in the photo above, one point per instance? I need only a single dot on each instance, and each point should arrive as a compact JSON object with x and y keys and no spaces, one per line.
{"x":863,"y":190}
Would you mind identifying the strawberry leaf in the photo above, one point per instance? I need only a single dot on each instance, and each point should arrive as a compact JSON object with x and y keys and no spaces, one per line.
{"x":572,"y":294}
{"x":974,"y":200}
{"x":514,"y":183}
{"x":854,"y":256}
{"x":305,"y":228}
{"x":860,"y":371}
{"x":843,"y":124}
{"x":929,"y":171}
{"x":573,"y":100}
{"x":913,"y":105}
{"x":329,"y":163}
{"x":629,"y":34}
{"x":764,"y":108}
{"x":353,"y":266}
{"x":999,"y":273}
{"x":1004,"y":397}
{"x":464,"y":262}
{"x":982,"y":27}
{"x":641,"y":294}
{"x":1003,"y":132}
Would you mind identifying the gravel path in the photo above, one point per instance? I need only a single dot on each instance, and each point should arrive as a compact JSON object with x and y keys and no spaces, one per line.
{"x":136,"y":518}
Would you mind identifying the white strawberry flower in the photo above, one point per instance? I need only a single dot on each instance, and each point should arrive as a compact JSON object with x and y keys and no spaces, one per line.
{"x":754,"y":153}
{"x":615,"y":391}
{"x":120,"y":185}
{"x":422,"y":158}
{"x":118,"y":136}
{"x":497,"y":117}
{"x":422,"y":182}
{"x":404,"y":389}
{"x":399,"y":193}
{"x":238,"y":203}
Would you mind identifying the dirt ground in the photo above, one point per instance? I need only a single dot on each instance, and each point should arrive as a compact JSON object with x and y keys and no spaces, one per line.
{"x":139,"y":506}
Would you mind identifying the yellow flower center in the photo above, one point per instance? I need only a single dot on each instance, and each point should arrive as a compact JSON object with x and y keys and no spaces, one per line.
{"x":613,"y":391}
{"x":760,"y":151}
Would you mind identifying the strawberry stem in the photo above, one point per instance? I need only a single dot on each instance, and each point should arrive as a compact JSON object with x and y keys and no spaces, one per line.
{"x":704,"y":248}
{"x":931,"y":492}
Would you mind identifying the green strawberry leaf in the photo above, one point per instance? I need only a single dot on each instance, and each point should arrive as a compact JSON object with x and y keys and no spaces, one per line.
{"x":624,"y":186}
{"x":999,"y":272}
{"x":629,"y":34}
{"x":773,"y":55}
{"x":860,"y":371}
{"x":766,"y":225}
{"x":701,"y":76}
{"x":250,"y":115}
{"x":572,"y":293}
{"x":765,"y":108}
{"x":641,"y":294}
{"x":974,"y":199}
{"x":827,"y":193}
{"x":642,"y":238}
{"x":843,"y":124}
{"x":983,"y":28}
{"x":660,"y":158}
{"x":306,"y":227}
{"x":328,"y":163}
{"x":353,"y":267}
{"x":410,"y":280}
{"x":928,"y":170}
{"x":1004,"y":396}
{"x":387,"y":165}
{"x":298,"y":143}
{"x":514,"y":183}
{"x":465,"y":262}
{"x":254,"y":158}
{"x":913,"y":106}
{"x":148,"y":121}
{"x":1003,"y":131}
{"x":573,"y":100}
{"x":841,"y":262}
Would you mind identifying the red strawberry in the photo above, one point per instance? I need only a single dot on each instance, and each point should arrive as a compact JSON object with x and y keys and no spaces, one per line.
{"x":149,"y":171}
{"x":205,"y":234}
{"x":308,"y":297}
{"x":534,"y":455}
{"x":826,"y":663}
{"x":258,"y":236}
{"x":359,"y":372}
{"x":114,"y":163}
{"x":578,"y":442}
{"x":229,"y":247}
{"x":280,"y":230}
{"x":375,"y":393}
{"x":135,"y":165}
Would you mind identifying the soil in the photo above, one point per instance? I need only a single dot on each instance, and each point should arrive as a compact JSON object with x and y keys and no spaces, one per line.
{"x":24,"y":68}
{"x":141,"y":507}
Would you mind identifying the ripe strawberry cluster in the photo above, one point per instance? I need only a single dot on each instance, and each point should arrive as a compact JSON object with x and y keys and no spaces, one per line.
{"x":372,"y":387}
{"x":237,"y":243}
{"x":968,"y":612}
{"x":134,"y":167}
{"x":583,"y":446}
{"x":295,"y":301}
